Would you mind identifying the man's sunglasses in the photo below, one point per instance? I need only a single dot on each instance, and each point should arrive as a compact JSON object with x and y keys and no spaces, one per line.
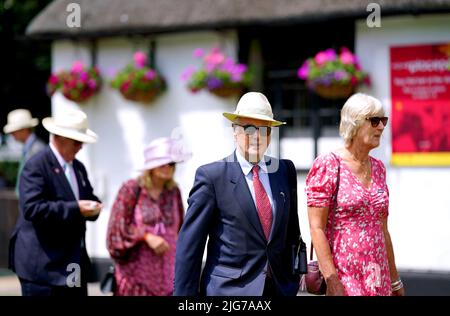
{"x":251,"y":129}
{"x":375,"y":120}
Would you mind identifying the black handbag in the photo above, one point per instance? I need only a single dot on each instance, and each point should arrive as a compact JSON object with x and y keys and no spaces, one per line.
{"x":299,"y":264}
{"x":108,"y":284}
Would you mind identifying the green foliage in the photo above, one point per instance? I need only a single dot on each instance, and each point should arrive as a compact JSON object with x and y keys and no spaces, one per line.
{"x":8,"y":171}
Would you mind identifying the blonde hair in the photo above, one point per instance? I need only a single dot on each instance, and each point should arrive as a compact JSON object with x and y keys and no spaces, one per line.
{"x":145,"y":180}
{"x":354,"y":112}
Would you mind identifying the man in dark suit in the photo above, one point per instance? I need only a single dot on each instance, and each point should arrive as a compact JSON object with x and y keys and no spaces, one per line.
{"x":246,"y":204}
{"x":47,"y":247}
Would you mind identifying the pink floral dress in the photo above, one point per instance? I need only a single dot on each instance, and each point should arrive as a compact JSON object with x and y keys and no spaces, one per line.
{"x":139,"y":271}
{"x":357,"y":239}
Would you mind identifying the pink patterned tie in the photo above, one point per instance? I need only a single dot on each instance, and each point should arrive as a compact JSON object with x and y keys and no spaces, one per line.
{"x":262,"y":203}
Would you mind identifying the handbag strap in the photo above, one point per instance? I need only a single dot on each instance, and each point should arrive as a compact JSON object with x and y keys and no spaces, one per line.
{"x":334,"y":202}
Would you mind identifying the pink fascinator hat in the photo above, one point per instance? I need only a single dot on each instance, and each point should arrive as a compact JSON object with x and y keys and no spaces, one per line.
{"x":162,"y":151}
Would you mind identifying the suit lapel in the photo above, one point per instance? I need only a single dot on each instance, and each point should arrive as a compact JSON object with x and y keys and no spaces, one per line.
{"x":58,"y":174}
{"x":242,"y":194}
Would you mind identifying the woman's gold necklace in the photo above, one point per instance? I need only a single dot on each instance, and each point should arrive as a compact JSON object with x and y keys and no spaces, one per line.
{"x":365,"y":166}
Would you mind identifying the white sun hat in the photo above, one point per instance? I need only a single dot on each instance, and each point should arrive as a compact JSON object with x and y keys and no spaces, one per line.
{"x":71,"y":124}
{"x":19,"y":119}
{"x":253,"y":105}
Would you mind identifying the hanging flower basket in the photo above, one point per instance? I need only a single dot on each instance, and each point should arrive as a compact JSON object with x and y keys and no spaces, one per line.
{"x":78,"y":85}
{"x":138,"y":82}
{"x":141,"y":96}
{"x":333,"y":76}
{"x":219,"y":74}
{"x":226,"y":92}
{"x":334,"y":91}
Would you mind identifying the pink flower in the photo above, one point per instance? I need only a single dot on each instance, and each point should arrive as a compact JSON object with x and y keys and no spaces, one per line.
{"x":150,"y":74}
{"x":92,"y":84}
{"x":215,"y":57}
{"x":239,"y":69}
{"x":53,"y":79}
{"x":111,"y":72}
{"x":198,"y":53}
{"x":125,"y":86}
{"x":304,"y":70}
{"x":77,"y":66}
{"x":140,"y":59}
{"x":321,"y":58}
{"x":187,"y":73}
{"x":330,"y":54}
{"x":347,"y":57}
{"x":84,"y":76}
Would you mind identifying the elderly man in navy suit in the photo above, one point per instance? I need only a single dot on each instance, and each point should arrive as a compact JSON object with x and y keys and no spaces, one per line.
{"x":47,"y":247}
{"x":246,"y":204}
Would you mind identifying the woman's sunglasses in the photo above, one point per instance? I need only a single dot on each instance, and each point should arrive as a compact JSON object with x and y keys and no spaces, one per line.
{"x":375,"y":120}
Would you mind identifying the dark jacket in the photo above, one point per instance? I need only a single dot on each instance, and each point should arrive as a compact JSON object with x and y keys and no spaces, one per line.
{"x":50,"y":231}
{"x":221,"y":208}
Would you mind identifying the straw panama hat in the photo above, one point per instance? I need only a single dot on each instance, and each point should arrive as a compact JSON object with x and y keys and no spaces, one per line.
{"x":162,"y":151}
{"x":70,"y":124}
{"x":253,"y":105}
{"x":19,"y":119}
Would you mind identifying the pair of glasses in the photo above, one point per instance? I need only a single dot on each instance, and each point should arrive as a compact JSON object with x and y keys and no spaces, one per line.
{"x":375,"y":120}
{"x":251,"y":129}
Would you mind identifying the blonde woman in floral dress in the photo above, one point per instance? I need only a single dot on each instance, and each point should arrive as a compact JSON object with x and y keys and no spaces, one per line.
{"x":350,"y":236}
{"x":144,"y":223}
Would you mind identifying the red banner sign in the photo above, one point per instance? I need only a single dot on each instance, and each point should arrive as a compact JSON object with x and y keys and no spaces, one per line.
{"x":420,"y":88}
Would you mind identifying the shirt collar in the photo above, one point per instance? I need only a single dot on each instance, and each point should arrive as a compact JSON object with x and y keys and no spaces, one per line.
{"x":60,"y":159}
{"x":247,"y":166}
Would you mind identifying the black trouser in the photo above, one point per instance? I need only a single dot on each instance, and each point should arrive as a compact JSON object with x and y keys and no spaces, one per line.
{"x":30,"y":288}
{"x":270,"y":288}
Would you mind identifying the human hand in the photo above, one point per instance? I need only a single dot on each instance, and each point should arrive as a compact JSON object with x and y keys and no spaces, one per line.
{"x":157,"y":243}
{"x":334,"y":286}
{"x":89,"y":208}
{"x":399,"y":292}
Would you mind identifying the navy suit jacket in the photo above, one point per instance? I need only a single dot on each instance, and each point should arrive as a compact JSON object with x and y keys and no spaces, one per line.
{"x":50,"y":230}
{"x":221,"y":208}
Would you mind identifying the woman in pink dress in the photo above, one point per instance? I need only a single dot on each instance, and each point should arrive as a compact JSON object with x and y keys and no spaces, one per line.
{"x":144,"y":223}
{"x":350,"y":235}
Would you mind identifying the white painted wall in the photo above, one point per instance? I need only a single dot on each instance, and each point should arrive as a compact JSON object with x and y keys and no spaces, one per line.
{"x":420,"y":203}
{"x":125,"y":127}
{"x":419,"y":197}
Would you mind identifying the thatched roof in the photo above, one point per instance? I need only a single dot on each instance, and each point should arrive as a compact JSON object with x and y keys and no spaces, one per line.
{"x":115,"y":17}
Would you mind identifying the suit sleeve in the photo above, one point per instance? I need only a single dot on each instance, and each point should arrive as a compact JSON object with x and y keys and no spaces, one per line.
{"x":36,"y":202}
{"x":90,"y":190}
{"x":293,"y":224}
{"x":193,"y":235}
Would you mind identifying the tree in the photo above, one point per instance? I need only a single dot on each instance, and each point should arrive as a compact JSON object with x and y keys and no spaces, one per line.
{"x":25,"y":62}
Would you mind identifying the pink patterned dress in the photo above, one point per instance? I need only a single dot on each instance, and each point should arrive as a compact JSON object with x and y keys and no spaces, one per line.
{"x":356,"y":240}
{"x":139,"y":271}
